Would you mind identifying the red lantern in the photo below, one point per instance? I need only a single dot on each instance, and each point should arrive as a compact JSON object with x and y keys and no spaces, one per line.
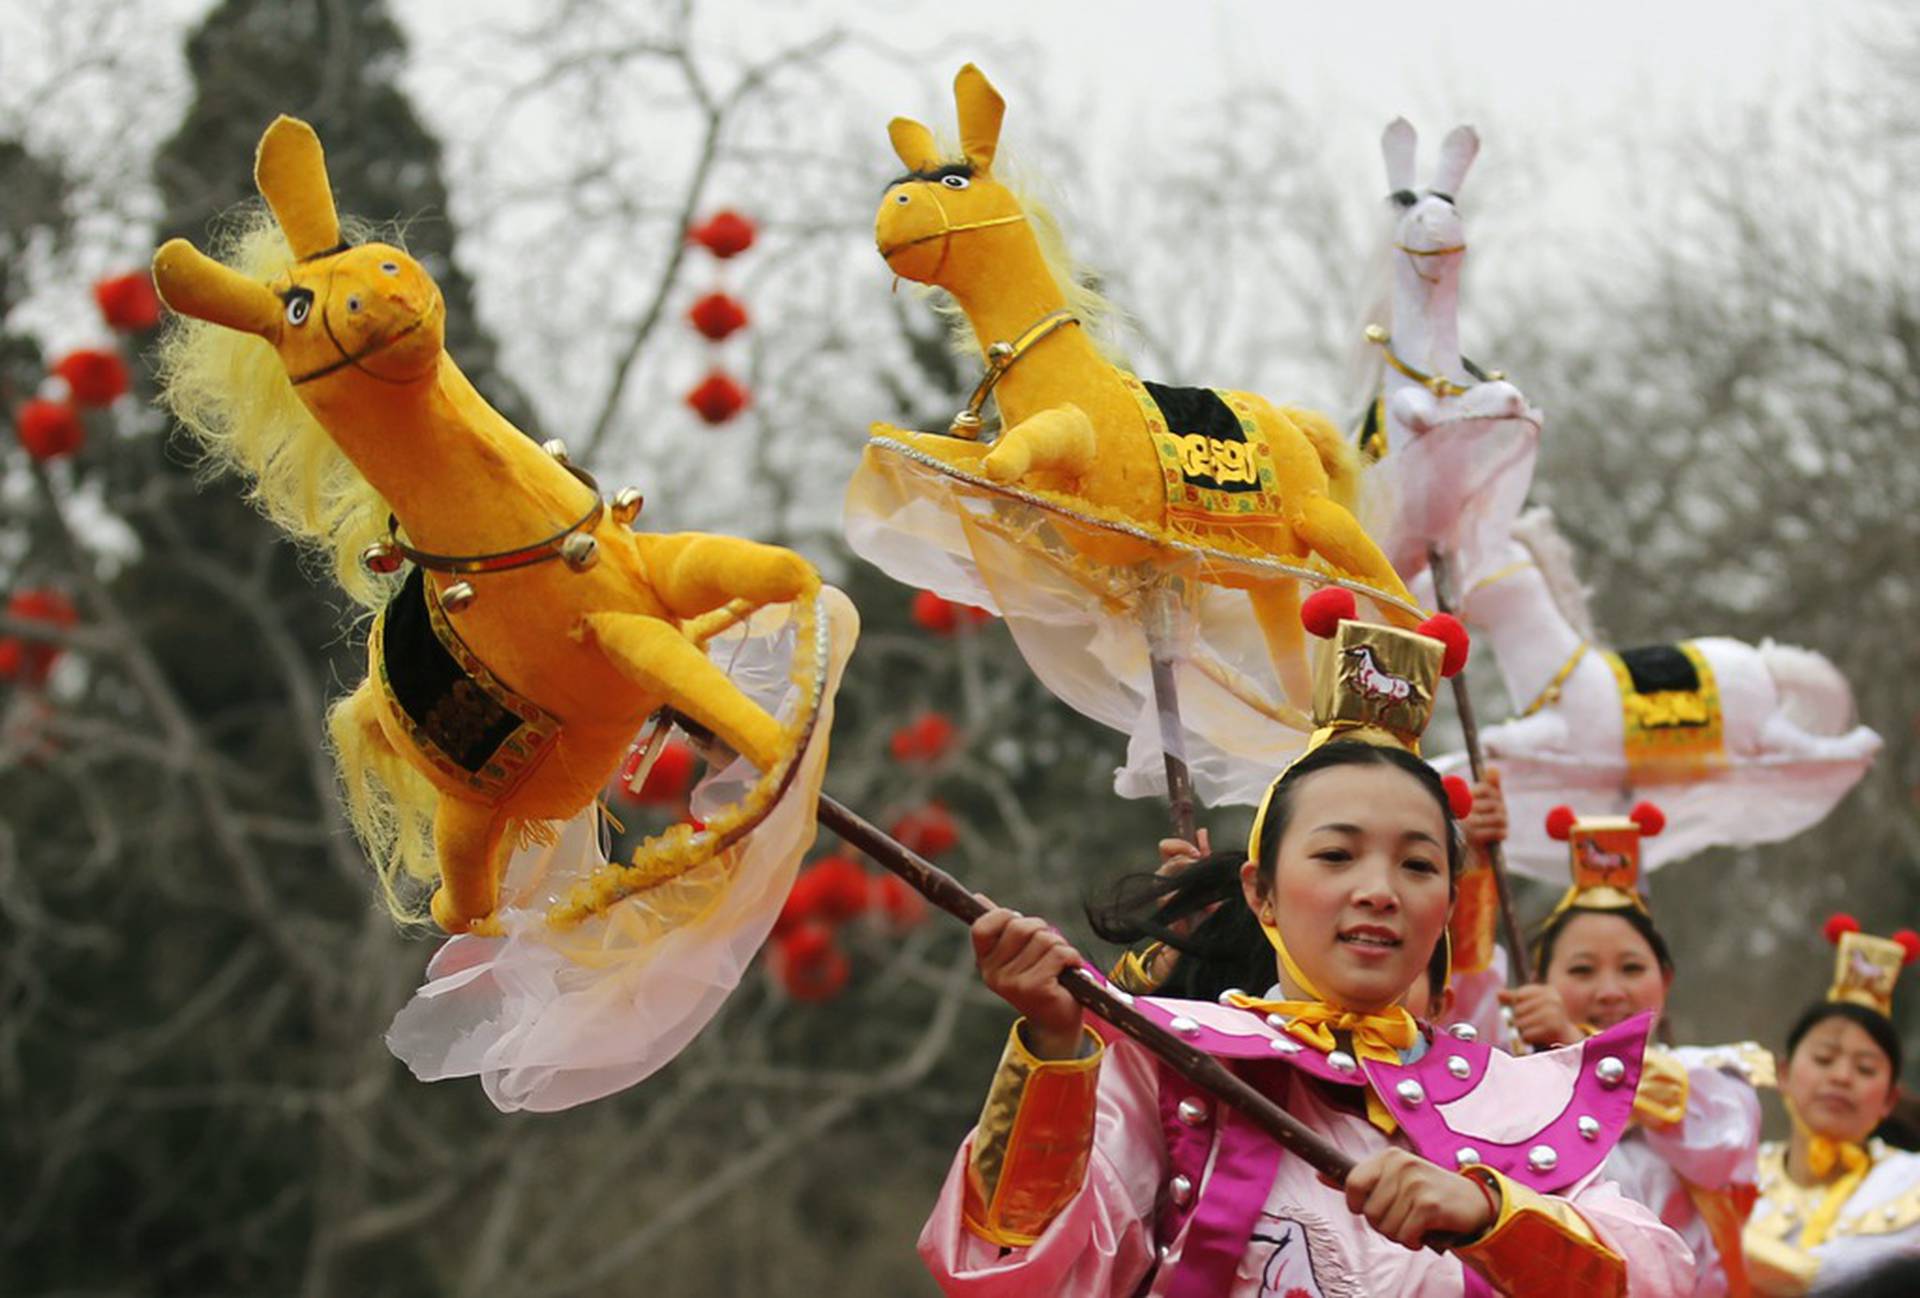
{"x":94,"y":377}
{"x":717,"y":315}
{"x":843,"y":888}
{"x":49,"y":429}
{"x":808,"y":964}
{"x":725,"y":234}
{"x":928,"y":830}
{"x":31,"y":661}
{"x":903,"y":907}
{"x":924,"y":740}
{"x":717,"y":398}
{"x":667,"y":783}
{"x":129,"y":301}
{"x":932,"y":613}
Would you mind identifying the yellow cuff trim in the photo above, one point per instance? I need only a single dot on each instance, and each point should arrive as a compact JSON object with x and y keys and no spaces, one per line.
{"x":1661,"y":1100}
{"x":1030,"y":1149}
{"x":1541,"y":1245}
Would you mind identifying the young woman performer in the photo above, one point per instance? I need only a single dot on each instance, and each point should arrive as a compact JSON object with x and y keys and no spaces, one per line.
{"x":1690,"y":1154}
{"x":1094,"y":1172}
{"x":1835,"y":1206}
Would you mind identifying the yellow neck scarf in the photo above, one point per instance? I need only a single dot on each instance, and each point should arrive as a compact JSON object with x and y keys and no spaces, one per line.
{"x":1823,"y":1154}
{"x":1379,"y":1034}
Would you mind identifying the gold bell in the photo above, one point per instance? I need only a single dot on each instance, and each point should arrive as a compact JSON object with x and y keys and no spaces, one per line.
{"x":381,"y":558}
{"x":580,"y":551}
{"x":556,"y":448}
{"x":457,"y":596}
{"x":1377,"y":334}
{"x":626,"y":505}
{"x":965,"y":425}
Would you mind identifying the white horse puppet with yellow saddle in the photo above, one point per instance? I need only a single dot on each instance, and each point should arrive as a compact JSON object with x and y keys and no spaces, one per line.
{"x":523,"y":635}
{"x":1145,"y":543}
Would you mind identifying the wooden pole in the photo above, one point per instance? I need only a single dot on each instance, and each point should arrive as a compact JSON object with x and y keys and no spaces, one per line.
{"x":1470,"y":729}
{"x":1162,"y":608}
{"x":1198,"y":1067}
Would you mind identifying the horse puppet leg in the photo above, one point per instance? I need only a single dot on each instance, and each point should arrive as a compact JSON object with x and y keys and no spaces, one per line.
{"x":1331,"y":531}
{"x":1059,"y":439}
{"x":1277,"y":609}
{"x":470,"y":839}
{"x":666,"y":664}
{"x":697,"y":572}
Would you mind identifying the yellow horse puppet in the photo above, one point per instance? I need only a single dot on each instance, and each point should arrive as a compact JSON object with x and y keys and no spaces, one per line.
{"x":536,"y":632}
{"x":1219,"y":466}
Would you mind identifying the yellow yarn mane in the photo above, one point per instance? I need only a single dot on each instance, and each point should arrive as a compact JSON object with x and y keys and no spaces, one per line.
{"x":231,"y":393}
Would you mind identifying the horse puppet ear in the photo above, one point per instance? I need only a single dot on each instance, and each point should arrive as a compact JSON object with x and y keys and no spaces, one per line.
{"x":291,"y":171}
{"x":914,"y":143}
{"x":1457,"y":153}
{"x":1397,"y":144}
{"x":981,"y":108}
{"x":196,"y":285}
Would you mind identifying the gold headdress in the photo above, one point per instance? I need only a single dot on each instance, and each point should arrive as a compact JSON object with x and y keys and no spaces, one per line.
{"x":1866,"y":967}
{"x":1377,"y":686}
{"x":1604,"y":855}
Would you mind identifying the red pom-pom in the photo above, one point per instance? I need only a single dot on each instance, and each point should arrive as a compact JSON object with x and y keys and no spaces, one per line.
{"x":928,"y":830}
{"x":717,"y":398}
{"x":725,"y":234}
{"x":94,"y":378}
{"x":903,"y":907}
{"x":667,"y":782}
{"x":1649,"y":819}
{"x":924,"y":740}
{"x":1322,"y":612}
{"x":49,"y":429}
{"x":1910,"y":943}
{"x":1459,"y":796}
{"x":1446,"y":628}
{"x":717,"y":315}
{"x":1560,"y":823}
{"x":1838,"y":924}
{"x":128,"y":302}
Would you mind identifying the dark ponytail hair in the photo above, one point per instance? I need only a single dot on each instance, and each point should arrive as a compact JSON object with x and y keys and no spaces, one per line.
{"x":1642,"y":924}
{"x":1226,"y":949}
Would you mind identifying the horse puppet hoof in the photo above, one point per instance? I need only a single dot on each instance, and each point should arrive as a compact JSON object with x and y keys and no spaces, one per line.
{"x":449,"y":919}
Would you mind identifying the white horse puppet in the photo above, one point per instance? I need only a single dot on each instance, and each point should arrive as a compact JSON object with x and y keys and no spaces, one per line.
{"x":1740,"y":744}
{"x":1454,"y":445}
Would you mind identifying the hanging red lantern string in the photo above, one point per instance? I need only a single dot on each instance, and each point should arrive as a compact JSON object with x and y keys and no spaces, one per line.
{"x":717,"y":316}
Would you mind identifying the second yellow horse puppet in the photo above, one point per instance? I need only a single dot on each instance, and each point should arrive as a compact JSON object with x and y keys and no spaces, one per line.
{"x":1225,"y":467}
{"x":536,"y":632}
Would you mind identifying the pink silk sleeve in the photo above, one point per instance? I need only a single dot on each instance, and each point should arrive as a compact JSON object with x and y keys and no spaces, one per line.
{"x":1716,"y":1145}
{"x":1100,"y":1244}
{"x":1659,"y":1264}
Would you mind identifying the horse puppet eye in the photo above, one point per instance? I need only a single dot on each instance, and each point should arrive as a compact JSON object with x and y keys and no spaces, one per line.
{"x":954,"y":182}
{"x":299,"y":303}
{"x":389,"y":268}
{"x":1404,"y":197}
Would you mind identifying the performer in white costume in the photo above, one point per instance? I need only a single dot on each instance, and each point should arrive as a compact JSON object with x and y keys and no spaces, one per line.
{"x":1690,"y":1153}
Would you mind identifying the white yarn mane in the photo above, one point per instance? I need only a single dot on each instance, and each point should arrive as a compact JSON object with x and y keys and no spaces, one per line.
{"x":1553,"y":555}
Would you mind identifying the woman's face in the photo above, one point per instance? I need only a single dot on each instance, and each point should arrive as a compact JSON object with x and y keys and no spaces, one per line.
{"x":1841,"y":1083}
{"x":1605,"y":972}
{"x":1360,"y":888}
